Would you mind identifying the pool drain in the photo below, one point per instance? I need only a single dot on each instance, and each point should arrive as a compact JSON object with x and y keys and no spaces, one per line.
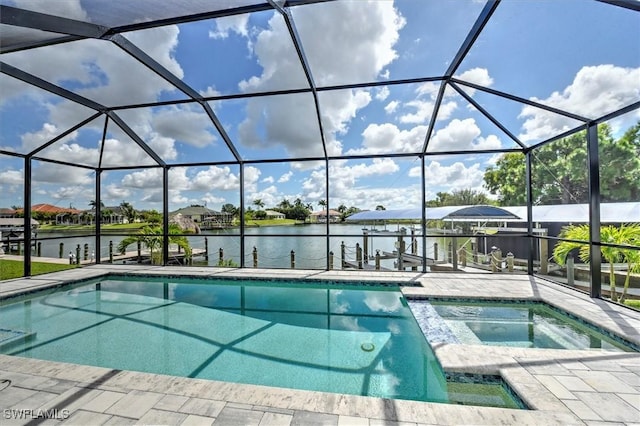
{"x":367,"y":347}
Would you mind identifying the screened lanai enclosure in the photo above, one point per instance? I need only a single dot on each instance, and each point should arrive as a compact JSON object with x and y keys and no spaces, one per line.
{"x":469,"y":136}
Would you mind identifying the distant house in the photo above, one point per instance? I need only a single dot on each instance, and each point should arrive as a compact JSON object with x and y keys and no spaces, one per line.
{"x":272,"y":214}
{"x":321,"y":216}
{"x":205,"y":217}
{"x":7,"y":213}
{"x":110,"y":214}
{"x":63,"y":215}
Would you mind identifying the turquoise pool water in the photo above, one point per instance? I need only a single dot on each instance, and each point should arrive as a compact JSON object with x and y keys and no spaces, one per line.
{"x":351,"y":339}
{"x":533,"y":325}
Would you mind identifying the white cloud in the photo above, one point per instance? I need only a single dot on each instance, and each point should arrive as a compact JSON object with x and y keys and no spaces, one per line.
{"x":370,"y":28}
{"x":225,"y":25}
{"x":172,"y":123}
{"x":251,"y":178}
{"x":12,"y":177}
{"x":422,"y":112}
{"x":352,"y":185}
{"x":462,"y":135}
{"x":33,"y":140}
{"x":456,"y":176}
{"x":479,"y":76}
{"x":387,"y":137}
{"x":275,"y":53}
{"x":101,"y":71}
{"x":57,"y":173}
{"x":268,"y":179}
{"x":218,"y":178}
{"x":429,"y":89}
{"x":71,"y":193}
{"x":116,"y":192}
{"x":382,"y":93}
{"x":595,"y":91}
{"x":344,"y":176}
{"x":160,"y":43}
{"x":147,"y":178}
{"x":210,"y":91}
{"x":391,"y":107}
{"x":285,"y":177}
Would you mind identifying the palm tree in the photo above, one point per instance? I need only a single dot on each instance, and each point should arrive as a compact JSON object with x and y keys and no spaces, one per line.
{"x":151,"y":237}
{"x":626,"y":234}
{"x":93,"y":204}
{"x":323,"y":203}
{"x":258,"y":203}
{"x":128,"y":211}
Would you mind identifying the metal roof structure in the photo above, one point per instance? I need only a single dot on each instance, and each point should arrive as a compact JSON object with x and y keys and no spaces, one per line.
{"x":449,"y":213}
{"x":560,"y":213}
{"x":123,"y":32}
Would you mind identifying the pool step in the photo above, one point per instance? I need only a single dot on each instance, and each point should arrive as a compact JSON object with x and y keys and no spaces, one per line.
{"x":12,"y":338}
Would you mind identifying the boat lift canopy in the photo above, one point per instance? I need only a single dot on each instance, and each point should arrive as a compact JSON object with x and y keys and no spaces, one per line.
{"x":448,"y":213}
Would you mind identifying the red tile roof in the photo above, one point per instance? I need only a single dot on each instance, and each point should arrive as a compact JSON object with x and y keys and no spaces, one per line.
{"x":48,"y":208}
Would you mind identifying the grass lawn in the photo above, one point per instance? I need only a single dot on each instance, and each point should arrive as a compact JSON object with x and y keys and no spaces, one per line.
{"x":272,"y":222}
{"x":14,"y":268}
{"x":115,"y":227}
{"x":634,"y":303}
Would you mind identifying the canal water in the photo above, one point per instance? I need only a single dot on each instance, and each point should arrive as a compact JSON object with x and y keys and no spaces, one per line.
{"x":273,"y":245}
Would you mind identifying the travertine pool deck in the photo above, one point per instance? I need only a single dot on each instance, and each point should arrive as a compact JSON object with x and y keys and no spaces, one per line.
{"x":560,"y":387}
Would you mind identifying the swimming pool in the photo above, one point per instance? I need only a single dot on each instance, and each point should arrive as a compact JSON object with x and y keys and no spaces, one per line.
{"x":516,"y":324}
{"x":342,"y":338}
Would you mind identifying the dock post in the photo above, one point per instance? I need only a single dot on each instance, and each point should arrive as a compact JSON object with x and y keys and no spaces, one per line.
{"x":19,"y":248}
{"x":359,"y":255}
{"x":293,"y":259}
{"x":365,"y":245}
{"x":401,"y":248}
{"x":78,"y":254}
{"x":60,"y":250}
{"x":544,"y":254}
{"x":255,"y":257}
{"x":474,"y":251}
{"x":86,"y":252}
{"x":414,"y":246}
{"x":570,"y":270}
{"x":139,"y":252}
{"x":493,"y":262}
{"x":330,"y":260}
{"x":449,"y":253}
{"x":463,"y":259}
{"x":206,"y":249}
{"x":435,"y":251}
{"x":377,"y":260}
{"x":111,"y":251}
{"x":39,"y":249}
{"x":342,"y":255}
{"x":454,"y":253}
{"x":220,"y":256}
{"x":510,"y":262}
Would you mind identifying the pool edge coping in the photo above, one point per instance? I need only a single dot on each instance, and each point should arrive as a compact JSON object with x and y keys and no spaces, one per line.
{"x":539,"y":398}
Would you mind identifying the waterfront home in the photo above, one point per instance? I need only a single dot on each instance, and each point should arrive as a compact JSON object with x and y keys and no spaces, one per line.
{"x":321,"y":216}
{"x":272,"y":214}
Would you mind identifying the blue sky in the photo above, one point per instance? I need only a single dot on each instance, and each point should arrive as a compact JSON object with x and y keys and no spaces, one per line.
{"x":582,"y":56}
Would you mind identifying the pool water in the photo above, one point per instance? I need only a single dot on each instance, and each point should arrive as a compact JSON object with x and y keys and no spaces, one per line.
{"x":532,"y":325}
{"x":350,"y":339}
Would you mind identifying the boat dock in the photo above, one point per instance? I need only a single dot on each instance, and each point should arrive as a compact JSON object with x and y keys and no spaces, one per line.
{"x":131,"y":256}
